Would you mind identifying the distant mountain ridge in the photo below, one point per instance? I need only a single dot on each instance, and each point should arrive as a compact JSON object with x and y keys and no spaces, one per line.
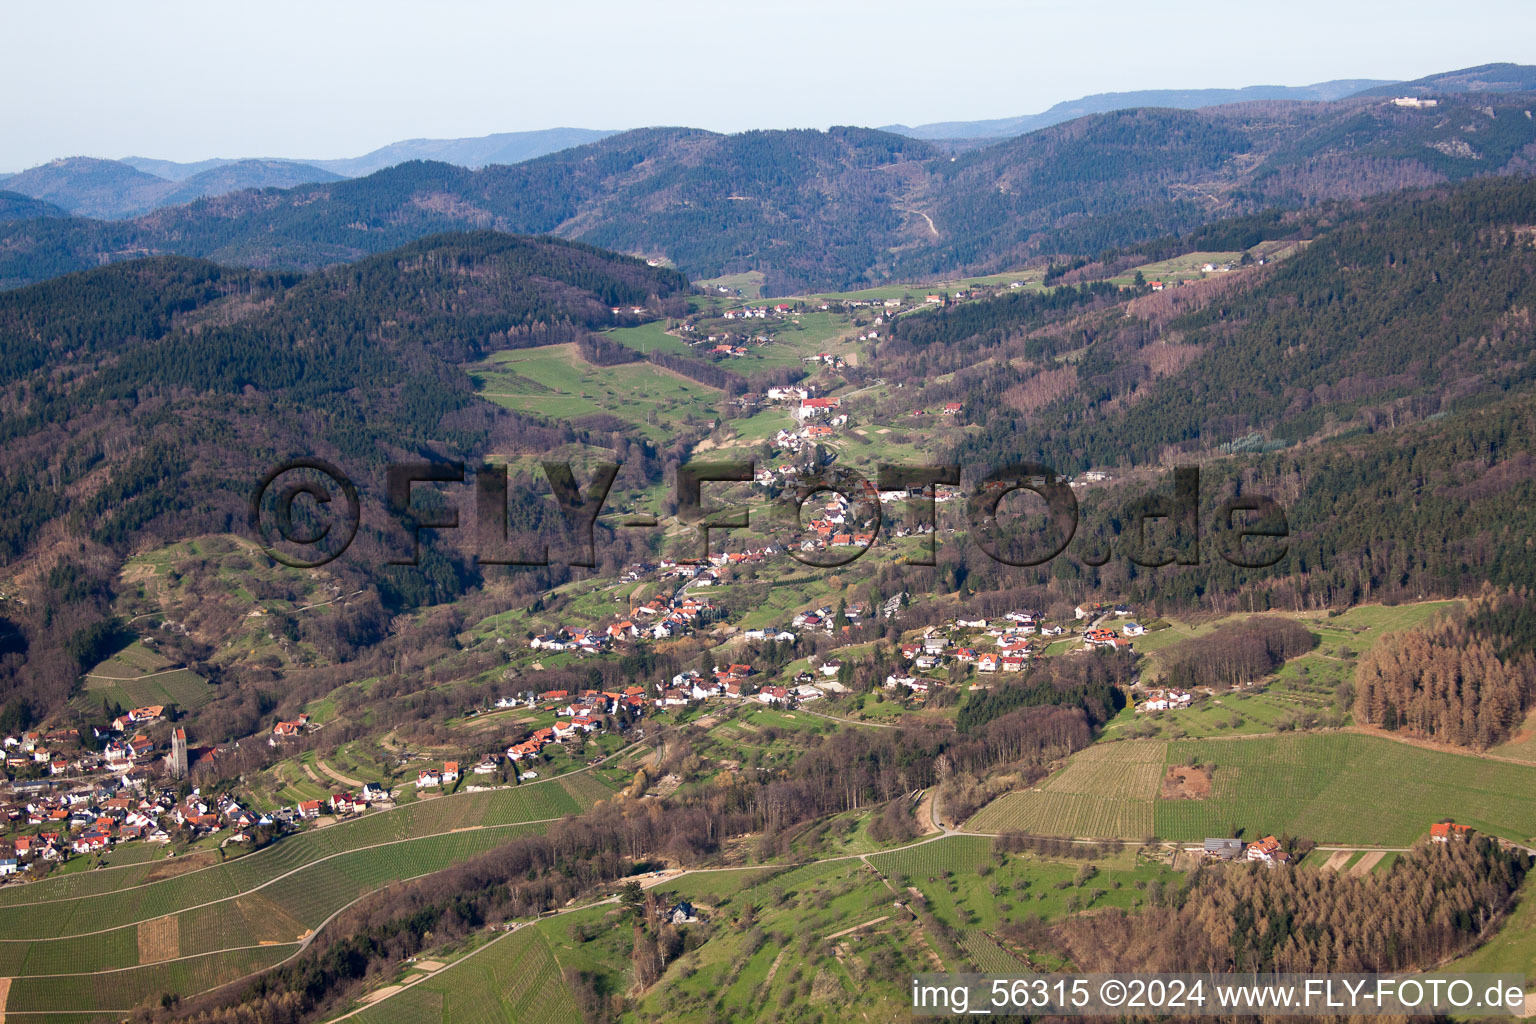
{"x":89,"y":187}
{"x":1500,"y":77}
{"x":1100,"y":103}
{"x":114,"y":190}
{"x":1504,"y":77}
{"x":474,"y":153}
{"x":847,"y":207}
{"x":119,"y":189}
{"x":816,"y":210}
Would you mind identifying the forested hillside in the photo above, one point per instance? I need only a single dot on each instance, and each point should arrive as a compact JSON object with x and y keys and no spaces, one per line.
{"x":832,"y":209}
{"x":1467,"y":680}
{"x":1376,"y":383}
{"x":1253,"y":919}
{"x":15,"y":206}
{"x":143,"y":401}
{"x":1401,"y":309}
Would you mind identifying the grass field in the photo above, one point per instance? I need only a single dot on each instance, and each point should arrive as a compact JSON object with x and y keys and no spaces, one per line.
{"x":968,"y":886}
{"x":1227,"y":715}
{"x":1189,"y":266}
{"x":555,"y":382}
{"x":1325,"y":786}
{"x":770,"y":948}
{"x":1522,"y":745}
{"x":651,"y":337}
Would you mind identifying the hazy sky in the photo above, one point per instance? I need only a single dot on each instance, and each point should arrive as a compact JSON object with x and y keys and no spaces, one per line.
{"x":319,"y":79}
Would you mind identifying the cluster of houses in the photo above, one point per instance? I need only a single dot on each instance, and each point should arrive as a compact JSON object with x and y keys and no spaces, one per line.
{"x":59,"y":752}
{"x":758,"y":312}
{"x":1013,"y":640}
{"x":795,"y":442}
{"x":84,"y":819}
{"x":342,"y":805}
{"x":1165,"y":700}
{"x":732,"y":682}
{"x":432,"y":778}
{"x":659,"y":618}
{"x":571,"y":638}
{"x":818,"y":408}
{"x":824,"y":618}
{"x":584,"y":713}
{"x":725,"y":344}
{"x":837,"y":522}
{"x":662,"y":618}
{"x":1097,"y":610}
{"x":1267,"y":851}
{"x":1105,"y":638}
{"x":115,"y":810}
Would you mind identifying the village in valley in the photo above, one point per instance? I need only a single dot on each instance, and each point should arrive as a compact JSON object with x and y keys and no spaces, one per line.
{"x":129,"y":784}
{"x":66,"y":800}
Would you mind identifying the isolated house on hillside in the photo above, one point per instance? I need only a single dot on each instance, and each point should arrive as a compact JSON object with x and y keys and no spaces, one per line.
{"x":1449,"y":832}
{"x":1268,"y":851}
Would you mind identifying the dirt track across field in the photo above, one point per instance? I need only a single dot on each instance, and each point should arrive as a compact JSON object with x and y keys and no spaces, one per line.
{"x":1337,"y":860}
{"x":333,"y":773}
{"x":866,"y":924}
{"x":1364,"y":865}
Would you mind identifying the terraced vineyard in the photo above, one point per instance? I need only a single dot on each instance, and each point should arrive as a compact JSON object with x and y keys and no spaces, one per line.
{"x":959,"y":854}
{"x":119,"y":992}
{"x":1326,"y":786}
{"x":588,"y":788}
{"x":1331,"y":787}
{"x":131,"y":662}
{"x":1105,"y":791}
{"x":136,"y":676}
{"x":258,"y":909}
{"x":181,"y":687}
{"x":515,"y":979}
{"x":985,"y":955}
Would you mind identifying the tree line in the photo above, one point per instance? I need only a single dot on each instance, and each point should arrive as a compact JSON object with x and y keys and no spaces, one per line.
{"x":1465,"y":679}
{"x":1236,"y":653}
